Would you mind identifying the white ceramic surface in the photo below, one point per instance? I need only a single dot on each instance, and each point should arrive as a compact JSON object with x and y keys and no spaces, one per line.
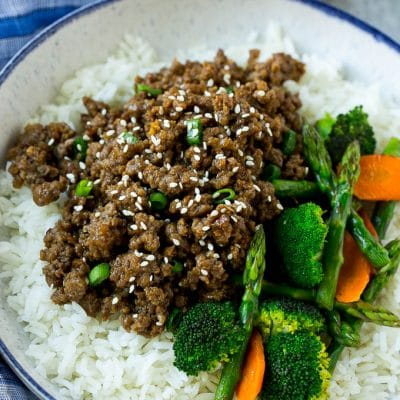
{"x":34,"y":76}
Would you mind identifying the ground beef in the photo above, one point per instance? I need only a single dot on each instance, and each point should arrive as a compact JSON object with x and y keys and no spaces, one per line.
{"x":186,"y":252}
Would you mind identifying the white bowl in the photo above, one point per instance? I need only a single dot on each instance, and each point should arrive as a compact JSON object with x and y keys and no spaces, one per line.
{"x":84,"y":37}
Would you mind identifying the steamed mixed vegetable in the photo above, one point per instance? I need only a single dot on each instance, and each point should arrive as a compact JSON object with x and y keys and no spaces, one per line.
{"x":325,"y":266}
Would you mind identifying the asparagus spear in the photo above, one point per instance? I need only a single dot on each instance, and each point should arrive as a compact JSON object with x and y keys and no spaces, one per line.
{"x":378,"y":282}
{"x":252,"y":280}
{"x":341,"y":207}
{"x":297,"y":189}
{"x":342,"y":331}
{"x":384,"y":211}
{"x":372,"y":249}
{"x":359,"y":309}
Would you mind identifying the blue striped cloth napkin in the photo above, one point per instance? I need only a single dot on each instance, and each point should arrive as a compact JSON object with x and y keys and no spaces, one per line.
{"x":20,"y":20}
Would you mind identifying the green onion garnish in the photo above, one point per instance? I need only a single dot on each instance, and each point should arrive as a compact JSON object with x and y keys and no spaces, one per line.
{"x":148,"y":89}
{"x":177,"y":266}
{"x":83,"y":188}
{"x":227,"y":194}
{"x":99,"y":274}
{"x":393,"y":147}
{"x":174,"y":319}
{"x":229,"y":89}
{"x":158,"y":201}
{"x":80,"y":148}
{"x":194,"y":131}
{"x":130,"y":138}
{"x":289,"y":143}
{"x":271,"y":172}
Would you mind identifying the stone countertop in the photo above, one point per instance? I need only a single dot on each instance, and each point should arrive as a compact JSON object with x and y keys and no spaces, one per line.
{"x":382,"y":14}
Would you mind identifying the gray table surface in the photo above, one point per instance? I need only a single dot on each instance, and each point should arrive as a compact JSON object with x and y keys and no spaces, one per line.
{"x":382,"y":14}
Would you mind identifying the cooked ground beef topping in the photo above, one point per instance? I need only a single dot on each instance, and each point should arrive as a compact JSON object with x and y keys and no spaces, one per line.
{"x":161,"y":259}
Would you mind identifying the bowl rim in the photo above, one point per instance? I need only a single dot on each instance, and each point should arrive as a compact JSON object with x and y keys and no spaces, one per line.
{"x":330,"y":10}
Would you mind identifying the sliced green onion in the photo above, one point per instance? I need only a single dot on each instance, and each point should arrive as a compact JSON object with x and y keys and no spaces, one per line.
{"x":177,"y":266}
{"x":99,"y":274}
{"x":158,"y":201}
{"x":226,"y":194}
{"x":325,"y":124}
{"x":393,"y":147}
{"x":83,"y":188}
{"x":130,"y":138}
{"x":194,"y":131}
{"x":289,"y":143}
{"x":271,"y":172}
{"x":80,"y":148}
{"x":174,"y":319}
{"x":229,"y":89}
{"x":148,"y":89}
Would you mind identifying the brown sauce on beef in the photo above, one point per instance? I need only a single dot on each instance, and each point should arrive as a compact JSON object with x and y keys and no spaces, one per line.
{"x":244,"y":112}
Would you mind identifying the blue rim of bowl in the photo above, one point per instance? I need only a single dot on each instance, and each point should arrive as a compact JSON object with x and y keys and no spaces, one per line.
{"x":54,"y":27}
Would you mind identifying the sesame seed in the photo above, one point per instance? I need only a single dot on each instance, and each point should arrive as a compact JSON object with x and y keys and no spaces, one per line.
{"x":144,"y":263}
{"x":197,"y":199}
{"x":127,"y":213}
{"x":180,"y":185}
{"x":204,"y":145}
{"x":210,"y":246}
{"x":98,"y":155}
{"x":158,"y":323}
{"x":245,"y":115}
{"x":166,"y":123}
{"x":235,"y":169}
{"x":180,"y":98}
{"x":135,"y":315}
{"x":205,"y":228}
{"x":245,"y":129}
{"x":257,"y":188}
{"x":234,"y":219}
{"x":216,"y":255}
{"x":51,"y":141}
{"x":173,"y":185}
{"x":268,"y":126}
{"x":140,"y":175}
{"x":196,"y":157}
{"x":132,"y":279}
{"x":178,"y":109}
{"x":208,"y":115}
{"x":252,"y":110}
{"x":136,"y":128}
{"x":196,"y":150}
{"x":110,"y":132}
{"x":155,"y":140}
{"x":269,"y":199}
{"x":260,"y":93}
{"x":227,"y":67}
{"x":237,"y":109}
{"x":190,"y":203}
{"x":131,"y":288}
{"x":168,"y":166}
{"x":214,"y":213}
{"x":122,"y":197}
{"x":176,"y":242}
{"x":151,"y":278}
{"x":138,"y":253}
{"x":196,"y":109}
{"x":71,"y":177}
{"x":227,"y":78}
{"x":202,"y":242}
{"x":114,"y":192}
{"x":78,"y":208}
{"x":229,"y":256}
{"x":166,"y":260}
{"x":82,"y":165}
{"x":138,"y":206}
{"x":151,"y":257}
{"x":279,"y":206}
{"x":204,"y":272}
{"x":143,"y":225}
{"x":240,"y":152}
{"x":97,"y":214}
{"x":194,"y":178}
{"x":115,"y":300}
{"x":207,"y":93}
{"x":250,"y":163}
{"x":134,"y":227}
{"x":184,"y":210}
{"x":219,"y":156}
{"x":306,"y":169}
{"x":210,"y":83}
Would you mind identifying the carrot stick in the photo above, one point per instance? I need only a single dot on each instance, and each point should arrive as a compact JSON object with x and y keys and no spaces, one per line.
{"x":379,"y":178}
{"x":253,"y":370}
{"x":356,"y":270}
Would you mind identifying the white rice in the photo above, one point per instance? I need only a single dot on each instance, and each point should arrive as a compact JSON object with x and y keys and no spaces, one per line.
{"x":89,"y":359}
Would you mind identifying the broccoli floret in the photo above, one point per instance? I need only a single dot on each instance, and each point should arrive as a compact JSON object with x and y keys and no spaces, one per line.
{"x":300,"y":234}
{"x":348,"y":127}
{"x":289,"y":315}
{"x":208,"y":334}
{"x":296,"y":367}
